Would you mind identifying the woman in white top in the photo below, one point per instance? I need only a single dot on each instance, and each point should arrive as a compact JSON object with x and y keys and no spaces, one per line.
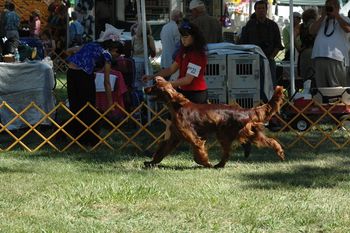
{"x":331,"y":47}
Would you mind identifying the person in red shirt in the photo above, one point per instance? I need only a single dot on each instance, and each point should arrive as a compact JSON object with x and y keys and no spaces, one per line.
{"x":191,"y":60}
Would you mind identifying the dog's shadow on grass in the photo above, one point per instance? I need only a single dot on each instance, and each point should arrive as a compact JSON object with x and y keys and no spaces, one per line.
{"x":266,"y":155}
{"x":303,"y":176}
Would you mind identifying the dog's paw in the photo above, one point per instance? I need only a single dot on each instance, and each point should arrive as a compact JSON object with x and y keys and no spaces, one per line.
{"x":149,"y":164}
{"x":281,"y":156}
{"x":219,"y":165}
{"x":247,"y":147}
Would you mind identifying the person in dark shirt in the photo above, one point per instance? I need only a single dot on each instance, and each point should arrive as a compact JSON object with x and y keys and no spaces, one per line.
{"x":264,"y":33}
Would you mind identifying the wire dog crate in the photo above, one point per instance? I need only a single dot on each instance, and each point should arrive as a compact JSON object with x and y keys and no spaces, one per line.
{"x":217,"y":95}
{"x":216,"y":72}
{"x":246,"y":98}
{"x":243,"y":79}
{"x":243,"y":71}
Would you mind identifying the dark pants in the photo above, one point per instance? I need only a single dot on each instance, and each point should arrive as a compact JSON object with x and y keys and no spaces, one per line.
{"x":286,"y":55}
{"x":272,"y":64}
{"x":81,"y":89}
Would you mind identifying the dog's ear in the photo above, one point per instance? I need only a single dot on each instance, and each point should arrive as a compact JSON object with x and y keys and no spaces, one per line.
{"x":165,"y":86}
{"x":169,"y":90}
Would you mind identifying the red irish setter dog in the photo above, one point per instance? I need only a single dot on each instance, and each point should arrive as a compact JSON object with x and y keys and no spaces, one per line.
{"x":192,"y":122}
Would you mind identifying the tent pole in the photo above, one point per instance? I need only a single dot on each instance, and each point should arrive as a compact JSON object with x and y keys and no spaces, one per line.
{"x":250,"y":7}
{"x":145,"y":48}
{"x":144,"y":36}
{"x":291,"y":47}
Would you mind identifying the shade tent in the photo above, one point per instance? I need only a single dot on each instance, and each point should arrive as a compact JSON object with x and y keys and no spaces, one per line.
{"x":344,"y":10}
{"x":302,"y":2}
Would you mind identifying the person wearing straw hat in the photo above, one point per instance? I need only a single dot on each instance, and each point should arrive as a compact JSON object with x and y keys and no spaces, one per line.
{"x":209,"y":25}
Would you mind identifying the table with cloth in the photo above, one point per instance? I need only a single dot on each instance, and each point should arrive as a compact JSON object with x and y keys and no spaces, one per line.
{"x":21,"y":84}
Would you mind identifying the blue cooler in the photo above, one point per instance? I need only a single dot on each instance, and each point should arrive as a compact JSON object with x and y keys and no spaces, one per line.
{"x":34,"y":42}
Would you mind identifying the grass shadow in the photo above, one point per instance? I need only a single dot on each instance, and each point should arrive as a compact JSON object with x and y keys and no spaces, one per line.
{"x":7,"y":170}
{"x":175,"y":167}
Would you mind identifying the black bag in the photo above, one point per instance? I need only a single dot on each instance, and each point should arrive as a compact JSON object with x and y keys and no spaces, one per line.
{"x":10,"y":45}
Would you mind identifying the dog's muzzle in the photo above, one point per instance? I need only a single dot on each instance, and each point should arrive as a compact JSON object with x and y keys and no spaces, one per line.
{"x":150,"y":92}
{"x":147,"y":90}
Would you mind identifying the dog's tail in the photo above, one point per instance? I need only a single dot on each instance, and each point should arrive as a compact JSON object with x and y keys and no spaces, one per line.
{"x":266,"y":111}
{"x":261,"y":114}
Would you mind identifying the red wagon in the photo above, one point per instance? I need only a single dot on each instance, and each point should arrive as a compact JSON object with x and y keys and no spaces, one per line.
{"x":326,"y":103}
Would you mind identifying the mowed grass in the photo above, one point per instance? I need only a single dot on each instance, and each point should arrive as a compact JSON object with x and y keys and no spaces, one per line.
{"x":112,"y":192}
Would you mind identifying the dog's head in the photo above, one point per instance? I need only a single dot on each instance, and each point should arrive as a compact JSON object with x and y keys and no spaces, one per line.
{"x":163,"y":91}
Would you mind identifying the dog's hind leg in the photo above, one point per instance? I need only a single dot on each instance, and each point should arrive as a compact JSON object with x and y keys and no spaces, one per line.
{"x":261,"y":139}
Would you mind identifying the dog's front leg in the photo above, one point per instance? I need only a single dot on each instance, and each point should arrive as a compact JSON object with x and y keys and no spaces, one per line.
{"x":262,"y":140}
{"x":201,"y":154}
{"x":165,"y":147}
{"x":198,"y":145}
{"x":247,"y":147}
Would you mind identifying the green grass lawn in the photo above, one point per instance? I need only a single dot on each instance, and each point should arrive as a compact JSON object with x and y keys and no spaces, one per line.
{"x":106,"y":191}
{"x":110,"y":191}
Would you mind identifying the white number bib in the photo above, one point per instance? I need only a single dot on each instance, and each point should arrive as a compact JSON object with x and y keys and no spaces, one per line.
{"x":193,"y":69}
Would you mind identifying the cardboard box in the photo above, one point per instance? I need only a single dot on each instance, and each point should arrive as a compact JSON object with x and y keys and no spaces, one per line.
{"x":8,"y":58}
